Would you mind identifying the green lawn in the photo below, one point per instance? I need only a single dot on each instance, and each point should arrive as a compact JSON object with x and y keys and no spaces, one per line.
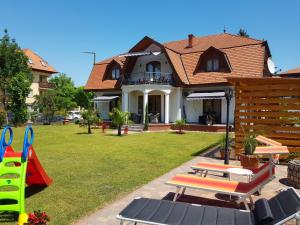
{"x":90,"y":171}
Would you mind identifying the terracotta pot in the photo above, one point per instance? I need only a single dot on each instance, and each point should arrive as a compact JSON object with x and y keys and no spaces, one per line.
{"x":249,"y":161}
{"x":103,"y":127}
{"x":126,"y":130}
{"x":222,"y":154}
{"x":65,"y":122}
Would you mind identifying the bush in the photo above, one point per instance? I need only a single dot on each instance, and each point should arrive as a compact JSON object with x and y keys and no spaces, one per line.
{"x":180,"y":125}
{"x":38,"y":218}
{"x":2,"y":118}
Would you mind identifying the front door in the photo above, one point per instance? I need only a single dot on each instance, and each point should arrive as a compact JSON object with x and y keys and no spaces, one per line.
{"x":154,"y":106}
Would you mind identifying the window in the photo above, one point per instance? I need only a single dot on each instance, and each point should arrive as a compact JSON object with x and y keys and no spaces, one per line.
{"x":153,"y":70}
{"x":115,"y":73}
{"x":212,"y":65}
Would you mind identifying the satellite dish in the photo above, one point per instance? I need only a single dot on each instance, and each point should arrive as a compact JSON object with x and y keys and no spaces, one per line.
{"x":271,"y":66}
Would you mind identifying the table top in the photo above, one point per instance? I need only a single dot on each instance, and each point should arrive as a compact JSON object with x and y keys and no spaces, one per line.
{"x":239,"y":171}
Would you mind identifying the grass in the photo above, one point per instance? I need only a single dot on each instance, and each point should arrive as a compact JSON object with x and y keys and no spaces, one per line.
{"x":90,"y":171}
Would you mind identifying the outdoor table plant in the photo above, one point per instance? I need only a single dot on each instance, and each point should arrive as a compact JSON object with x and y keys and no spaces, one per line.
{"x":248,"y":159}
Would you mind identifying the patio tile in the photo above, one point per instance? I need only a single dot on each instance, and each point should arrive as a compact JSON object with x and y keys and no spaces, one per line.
{"x":157,"y":189}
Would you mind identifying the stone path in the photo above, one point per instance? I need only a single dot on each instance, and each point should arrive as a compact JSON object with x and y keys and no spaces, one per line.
{"x":157,"y":189}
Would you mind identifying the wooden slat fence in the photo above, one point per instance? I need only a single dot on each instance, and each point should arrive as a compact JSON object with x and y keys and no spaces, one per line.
{"x":268,"y":107}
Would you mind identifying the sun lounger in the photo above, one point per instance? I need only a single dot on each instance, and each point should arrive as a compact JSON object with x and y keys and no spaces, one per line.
{"x":278,"y":210}
{"x":232,"y":188}
{"x":203,"y":168}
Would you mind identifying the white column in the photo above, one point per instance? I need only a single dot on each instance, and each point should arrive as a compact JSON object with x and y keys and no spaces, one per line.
{"x":167,"y":107}
{"x":125,"y":102}
{"x":178,"y":104}
{"x":145,"y":102}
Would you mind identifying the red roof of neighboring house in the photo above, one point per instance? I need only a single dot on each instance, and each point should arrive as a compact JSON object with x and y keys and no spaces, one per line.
{"x":246,"y":57}
{"x":291,"y":72}
{"x":35,"y":62}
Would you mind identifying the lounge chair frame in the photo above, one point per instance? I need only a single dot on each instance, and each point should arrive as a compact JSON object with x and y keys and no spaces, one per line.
{"x":242,"y":197}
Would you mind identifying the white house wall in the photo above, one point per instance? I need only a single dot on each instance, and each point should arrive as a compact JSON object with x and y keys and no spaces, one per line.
{"x":140,"y":65}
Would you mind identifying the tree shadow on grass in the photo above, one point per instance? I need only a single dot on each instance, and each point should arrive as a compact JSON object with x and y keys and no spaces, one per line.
{"x":32,"y":190}
{"x":80,"y":133}
{"x":208,"y":151}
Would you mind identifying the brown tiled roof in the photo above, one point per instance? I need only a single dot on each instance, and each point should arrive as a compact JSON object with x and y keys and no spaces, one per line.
{"x":96,"y":80}
{"x":246,"y":57}
{"x":292,"y":71}
{"x":38,"y":63}
{"x":219,"y":41}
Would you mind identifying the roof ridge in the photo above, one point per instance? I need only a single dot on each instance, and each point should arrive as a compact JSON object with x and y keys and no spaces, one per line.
{"x":236,"y":35}
{"x":195,"y":37}
{"x":237,"y":46}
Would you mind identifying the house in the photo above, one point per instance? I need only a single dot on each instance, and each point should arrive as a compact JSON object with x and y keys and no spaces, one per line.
{"x":178,"y":79}
{"x":41,"y":71}
{"x":293,"y":73}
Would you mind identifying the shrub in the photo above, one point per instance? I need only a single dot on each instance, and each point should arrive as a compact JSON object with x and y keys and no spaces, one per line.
{"x":180,"y":125}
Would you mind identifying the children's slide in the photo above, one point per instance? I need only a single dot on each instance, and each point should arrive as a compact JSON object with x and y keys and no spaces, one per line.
{"x":35,"y":175}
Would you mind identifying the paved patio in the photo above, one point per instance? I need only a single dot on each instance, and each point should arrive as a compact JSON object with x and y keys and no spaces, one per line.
{"x":157,"y":189}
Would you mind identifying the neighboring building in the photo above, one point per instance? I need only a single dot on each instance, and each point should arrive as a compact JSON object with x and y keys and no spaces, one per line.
{"x":41,"y":71}
{"x":293,"y":73}
{"x":179,"y":79}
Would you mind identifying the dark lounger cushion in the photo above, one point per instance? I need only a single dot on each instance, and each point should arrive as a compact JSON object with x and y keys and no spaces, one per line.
{"x":262,"y":212}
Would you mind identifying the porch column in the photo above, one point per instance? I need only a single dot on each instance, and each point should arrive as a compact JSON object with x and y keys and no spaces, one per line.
{"x":145,"y":102}
{"x":167,"y":107}
{"x":178,"y":103}
{"x":125,"y":102}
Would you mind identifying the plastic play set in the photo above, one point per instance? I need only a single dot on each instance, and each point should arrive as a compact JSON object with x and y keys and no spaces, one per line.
{"x":18,"y":169}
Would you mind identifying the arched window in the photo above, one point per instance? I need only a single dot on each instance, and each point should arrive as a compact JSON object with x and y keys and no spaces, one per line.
{"x":115,"y":73}
{"x":153,"y":69}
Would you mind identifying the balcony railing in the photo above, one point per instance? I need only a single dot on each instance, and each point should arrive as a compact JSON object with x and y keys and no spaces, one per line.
{"x":46,"y":85}
{"x":148,"y":78}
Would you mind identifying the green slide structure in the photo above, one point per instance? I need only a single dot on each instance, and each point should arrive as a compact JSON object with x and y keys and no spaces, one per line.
{"x":14,"y":173}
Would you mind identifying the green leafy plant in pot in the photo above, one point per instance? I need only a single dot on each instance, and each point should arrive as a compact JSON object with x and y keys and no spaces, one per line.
{"x":248,"y":160}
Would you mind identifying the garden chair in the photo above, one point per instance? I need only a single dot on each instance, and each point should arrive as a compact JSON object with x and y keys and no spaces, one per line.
{"x":275,"y":211}
{"x":233,"y":188}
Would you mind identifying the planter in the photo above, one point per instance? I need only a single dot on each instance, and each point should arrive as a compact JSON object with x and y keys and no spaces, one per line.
{"x":222,"y":153}
{"x":104,"y":126}
{"x":293,"y":172}
{"x":65,"y":122}
{"x":249,"y":161}
{"x":126,"y":130}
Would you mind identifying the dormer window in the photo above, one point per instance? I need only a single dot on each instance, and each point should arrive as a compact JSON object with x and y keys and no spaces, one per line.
{"x":212,"y":65}
{"x":115,"y":73}
{"x":213,"y":60}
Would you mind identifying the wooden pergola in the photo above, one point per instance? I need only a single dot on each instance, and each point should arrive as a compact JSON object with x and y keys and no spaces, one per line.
{"x":268,"y":107}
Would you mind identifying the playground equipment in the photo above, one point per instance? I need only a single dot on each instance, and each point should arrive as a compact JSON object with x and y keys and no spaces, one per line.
{"x":16,"y":169}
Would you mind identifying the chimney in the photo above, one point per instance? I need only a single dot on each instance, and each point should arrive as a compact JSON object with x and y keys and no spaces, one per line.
{"x":191,"y":38}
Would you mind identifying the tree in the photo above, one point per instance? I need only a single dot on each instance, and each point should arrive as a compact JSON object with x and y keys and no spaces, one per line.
{"x":19,"y":89}
{"x":119,"y":118}
{"x":12,"y":62}
{"x":84,"y":99}
{"x":64,"y":91}
{"x":243,"y":33}
{"x":46,"y":104}
{"x":90,"y":116}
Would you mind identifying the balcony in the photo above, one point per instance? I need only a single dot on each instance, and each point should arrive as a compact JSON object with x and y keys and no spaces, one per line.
{"x":46,"y":85}
{"x":148,"y":78}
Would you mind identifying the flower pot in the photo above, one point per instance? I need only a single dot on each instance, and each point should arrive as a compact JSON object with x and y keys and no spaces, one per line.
{"x":222,"y":153}
{"x":65,"y":122}
{"x":126,"y":130}
{"x":249,"y":161}
{"x":103,"y":127}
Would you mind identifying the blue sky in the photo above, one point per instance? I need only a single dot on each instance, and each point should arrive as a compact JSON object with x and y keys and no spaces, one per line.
{"x":60,"y":30}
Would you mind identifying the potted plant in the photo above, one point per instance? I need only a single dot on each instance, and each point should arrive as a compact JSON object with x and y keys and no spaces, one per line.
{"x":248,"y":160}
{"x":180,"y":125}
